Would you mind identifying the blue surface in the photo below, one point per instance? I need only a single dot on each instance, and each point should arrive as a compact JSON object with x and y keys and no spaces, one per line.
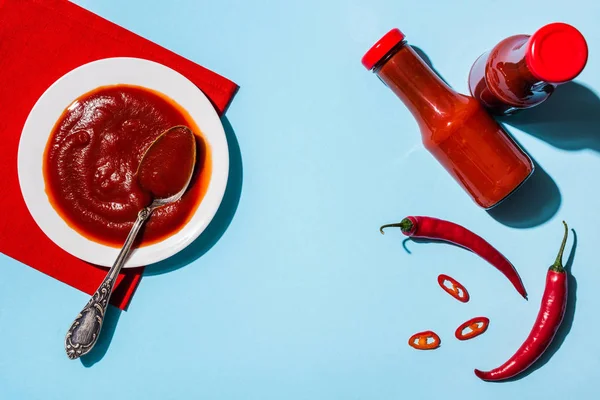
{"x":297,"y":295}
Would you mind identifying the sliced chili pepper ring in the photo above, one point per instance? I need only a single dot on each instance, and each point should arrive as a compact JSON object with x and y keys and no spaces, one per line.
{"x":456,"y":290}
{"x":476,"y":326}
{"x":421,"y":340}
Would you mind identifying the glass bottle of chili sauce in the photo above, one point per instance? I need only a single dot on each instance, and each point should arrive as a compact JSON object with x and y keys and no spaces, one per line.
{"x":456,"y":129}
{"x":522,"y":71}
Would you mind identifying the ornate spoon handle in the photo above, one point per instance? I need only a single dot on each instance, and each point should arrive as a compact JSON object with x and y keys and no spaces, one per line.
{"x":84,"y":331}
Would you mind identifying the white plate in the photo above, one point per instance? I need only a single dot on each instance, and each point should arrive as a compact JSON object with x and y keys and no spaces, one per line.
{"x":48,"y":109}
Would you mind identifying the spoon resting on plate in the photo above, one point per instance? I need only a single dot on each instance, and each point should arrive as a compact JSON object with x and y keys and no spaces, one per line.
{"x":165,"y":172}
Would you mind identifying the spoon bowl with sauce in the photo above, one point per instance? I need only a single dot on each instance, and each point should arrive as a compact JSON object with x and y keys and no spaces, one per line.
{"x":164,"y":174}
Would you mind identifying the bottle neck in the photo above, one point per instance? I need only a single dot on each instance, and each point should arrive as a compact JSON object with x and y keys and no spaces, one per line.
{"x":509,"y":77}
{"x":517,"y":59}
{"x":423,"y":92}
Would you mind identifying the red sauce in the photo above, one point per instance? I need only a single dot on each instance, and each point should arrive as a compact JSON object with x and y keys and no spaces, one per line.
{"x":93,"y":154}
{"x":167,"y":164}
{"x":456,"y":129}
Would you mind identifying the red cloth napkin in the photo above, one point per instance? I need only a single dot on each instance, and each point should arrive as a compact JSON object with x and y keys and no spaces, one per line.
{"x":41,"y":40}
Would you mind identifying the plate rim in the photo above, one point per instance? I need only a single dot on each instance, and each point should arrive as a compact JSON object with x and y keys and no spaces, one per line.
{"x":171,"y":245}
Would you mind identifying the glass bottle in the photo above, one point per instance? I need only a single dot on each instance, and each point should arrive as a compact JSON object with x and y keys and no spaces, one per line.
{"x":522,"y":71}
{"x":455,"y":128}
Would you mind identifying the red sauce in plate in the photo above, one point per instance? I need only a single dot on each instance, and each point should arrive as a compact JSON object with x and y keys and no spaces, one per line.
{"x":92,"y":157}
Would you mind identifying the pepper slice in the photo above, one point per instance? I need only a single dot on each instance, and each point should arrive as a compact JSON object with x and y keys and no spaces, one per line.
{"x":456,"y":290}
{"x":476,"y":327}
{"x":420,"y":341}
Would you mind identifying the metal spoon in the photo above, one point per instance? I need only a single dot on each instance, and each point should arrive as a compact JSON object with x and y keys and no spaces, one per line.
{"x":85,"y":330}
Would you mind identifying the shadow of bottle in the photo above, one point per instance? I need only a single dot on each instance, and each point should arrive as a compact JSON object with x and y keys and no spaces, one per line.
{"x":567,"y":323}
{"x":534,"y":203}
{"x":569,"y":119}
{"x":222,"y":218}
{"x":537,"y":200}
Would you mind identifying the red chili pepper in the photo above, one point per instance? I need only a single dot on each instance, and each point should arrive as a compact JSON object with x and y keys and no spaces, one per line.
{"x":437,"y":229}
{"x":552,"y":310}
{"x":457,"y":290}
{"x":420,"y":341}
{"x":476,"y":327}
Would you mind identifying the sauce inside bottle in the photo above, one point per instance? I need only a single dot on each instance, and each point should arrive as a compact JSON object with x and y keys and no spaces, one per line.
{"x":522,"y":71}
{"x":455,"y":128}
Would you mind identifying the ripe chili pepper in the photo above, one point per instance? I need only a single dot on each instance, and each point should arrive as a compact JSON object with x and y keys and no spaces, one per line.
{"x":457,"y":290}
{"x":420,"y":341}
{"x":437,"y":229}
{"x":476,"y":326}
{"x":552,"y":310}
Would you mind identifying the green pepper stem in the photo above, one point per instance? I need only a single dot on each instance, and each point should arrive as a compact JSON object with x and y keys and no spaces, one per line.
{"x":558,"y":266}
{"x":405,"y":226}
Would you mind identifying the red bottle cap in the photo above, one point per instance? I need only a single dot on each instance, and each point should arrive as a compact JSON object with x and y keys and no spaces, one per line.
{"x":381,"y":48}
{"x":556,"y":53}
